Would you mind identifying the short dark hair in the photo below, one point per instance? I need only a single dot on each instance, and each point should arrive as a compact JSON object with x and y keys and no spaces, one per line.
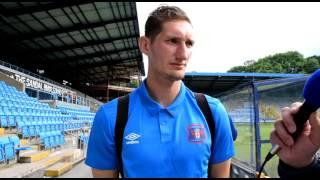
{"x":162,"y":14}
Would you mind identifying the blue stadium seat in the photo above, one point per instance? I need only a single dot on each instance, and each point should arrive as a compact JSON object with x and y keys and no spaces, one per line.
{"x":24,"y":118}
{"x":11,"y":121}
{"x":52,"y":139}
{"x":15,"y":140}
{"x":47,"y":126}
{"x":37,"y":128}
{"x":51,"y":126}
{"x":42,"y":126}
{"x":46,"y":139}
{"x":42,"y":136}
{"x":20,"y":125}
{"x":32,"y":128}
{"x":3,"y":121}
{"x":2,"y":153}
{"x":60,"y":125}
{"x":62,"y":138}
{"x":9,"y":151}
{"x":25,"y":129}
{"x":18,"y":118}
{"x":8,"y":148}
{"x":56,"y":135}
{"x":3,"y":102}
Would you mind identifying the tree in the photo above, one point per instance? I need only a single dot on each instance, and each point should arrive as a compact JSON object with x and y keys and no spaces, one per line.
{"x":249,"y":62}
{"x":311,"y":65}
{"x":238,"y":69}
{"x":288,"y":62}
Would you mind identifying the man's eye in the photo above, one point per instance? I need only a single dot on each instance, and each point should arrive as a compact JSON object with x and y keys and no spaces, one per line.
{"x":189,"y":43}
{"x":173,"y":41}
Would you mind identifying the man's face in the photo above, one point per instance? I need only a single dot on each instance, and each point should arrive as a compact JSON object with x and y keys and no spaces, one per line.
{"x":171,"y":49}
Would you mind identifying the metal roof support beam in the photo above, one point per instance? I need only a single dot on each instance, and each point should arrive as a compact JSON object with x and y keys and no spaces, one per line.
{"x":93,"y":55}
{"x":75,"y":27}
{"x":125,"y":67}
{"x":211,"y":86}
{"x":108,"y":63}
{"x":81,"y":45}
{"x":40,"y":8}
{"x":238,"y":82}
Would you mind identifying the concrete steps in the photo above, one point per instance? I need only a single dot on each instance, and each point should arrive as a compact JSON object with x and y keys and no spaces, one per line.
{"x":65,"y":164}
{"x":52,"y":161}
{"x":2,"y":131}
{"x":33,"y":156}
{"x":58,"y":169}
{"x":34,"y":162}
{"x":36,"y":169}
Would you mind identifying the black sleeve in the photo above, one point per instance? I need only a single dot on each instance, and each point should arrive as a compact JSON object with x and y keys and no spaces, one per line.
{"x":313,"y":170}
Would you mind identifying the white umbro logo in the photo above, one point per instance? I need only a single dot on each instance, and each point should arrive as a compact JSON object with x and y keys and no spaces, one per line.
{"x":132,"y":138}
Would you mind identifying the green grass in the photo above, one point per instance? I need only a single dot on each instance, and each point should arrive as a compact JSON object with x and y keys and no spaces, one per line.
{"x":245,"y":146}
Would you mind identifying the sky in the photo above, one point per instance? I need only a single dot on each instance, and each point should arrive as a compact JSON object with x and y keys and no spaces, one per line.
{"x":229,"y":33}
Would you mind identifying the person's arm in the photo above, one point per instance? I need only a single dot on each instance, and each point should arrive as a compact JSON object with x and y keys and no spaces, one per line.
{"x":312,"y":170}
{"x":220,"y":170}
{"x":101,"y":152}
{"x":104,"y":173}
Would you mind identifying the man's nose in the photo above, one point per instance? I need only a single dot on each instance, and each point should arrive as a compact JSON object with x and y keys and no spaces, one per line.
{"x":183,"y":52}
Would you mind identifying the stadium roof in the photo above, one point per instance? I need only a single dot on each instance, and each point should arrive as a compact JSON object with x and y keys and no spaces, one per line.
{"x":216,"y":83}
{"x":78,"y":41}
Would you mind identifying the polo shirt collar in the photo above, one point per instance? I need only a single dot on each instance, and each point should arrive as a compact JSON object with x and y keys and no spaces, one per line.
{"x":153,"y":107}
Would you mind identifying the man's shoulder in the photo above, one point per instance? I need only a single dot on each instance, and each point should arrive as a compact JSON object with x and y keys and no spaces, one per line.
{"x":110,"y":105}
{"x":212,"y":100}
{"x":109,"y":109}
{"x":214,"y":103}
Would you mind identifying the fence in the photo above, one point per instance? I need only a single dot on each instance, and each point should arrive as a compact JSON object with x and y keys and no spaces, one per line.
{"x":254,"y":107}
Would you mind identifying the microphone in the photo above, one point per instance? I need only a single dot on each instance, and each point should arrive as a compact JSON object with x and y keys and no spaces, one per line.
{"x":311,"y":95}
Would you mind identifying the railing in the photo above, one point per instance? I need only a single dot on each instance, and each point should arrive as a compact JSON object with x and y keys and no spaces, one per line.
{"x":14,"y":67}
{"x":265,"y":99}
{"x":241,"y":170}
{"x":87,"y":98}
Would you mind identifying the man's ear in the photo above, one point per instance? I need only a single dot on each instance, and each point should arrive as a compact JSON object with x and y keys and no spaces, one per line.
{"x":144,"y":45}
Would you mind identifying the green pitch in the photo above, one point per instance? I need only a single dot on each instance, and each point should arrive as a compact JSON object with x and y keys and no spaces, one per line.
{"x":245,"y":146}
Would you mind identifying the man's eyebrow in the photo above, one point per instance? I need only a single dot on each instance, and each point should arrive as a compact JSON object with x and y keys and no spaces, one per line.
{"x":179,"y":37}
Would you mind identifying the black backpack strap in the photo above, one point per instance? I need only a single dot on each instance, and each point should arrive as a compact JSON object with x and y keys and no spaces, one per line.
{"x":121,"y":121}
{"x":204,"y":106}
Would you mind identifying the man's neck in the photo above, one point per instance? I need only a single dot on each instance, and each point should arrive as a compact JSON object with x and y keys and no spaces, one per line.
{"x":163,"y":91}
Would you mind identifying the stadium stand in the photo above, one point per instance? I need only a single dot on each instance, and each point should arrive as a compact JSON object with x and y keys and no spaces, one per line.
{"x":29,"y":118}
{"x":37,"y":108}
{"x":32,"y":117}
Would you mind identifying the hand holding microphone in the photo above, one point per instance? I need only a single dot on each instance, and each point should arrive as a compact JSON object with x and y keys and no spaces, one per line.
{"x":311,"y":94}
{"x":298,"y":139}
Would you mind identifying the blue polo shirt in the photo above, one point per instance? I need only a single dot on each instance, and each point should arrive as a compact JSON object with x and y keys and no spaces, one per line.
{"x":161,"y":142}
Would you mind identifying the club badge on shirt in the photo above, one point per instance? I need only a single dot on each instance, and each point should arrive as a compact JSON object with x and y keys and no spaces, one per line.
{"x":196,"y":133}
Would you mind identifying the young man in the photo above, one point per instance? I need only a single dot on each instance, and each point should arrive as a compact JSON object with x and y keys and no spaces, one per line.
{"x":166,"y":134}
{"x":297,"y":158}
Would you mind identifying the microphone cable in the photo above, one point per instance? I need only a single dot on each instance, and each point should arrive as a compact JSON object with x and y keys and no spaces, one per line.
{"x":269,"y":156}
